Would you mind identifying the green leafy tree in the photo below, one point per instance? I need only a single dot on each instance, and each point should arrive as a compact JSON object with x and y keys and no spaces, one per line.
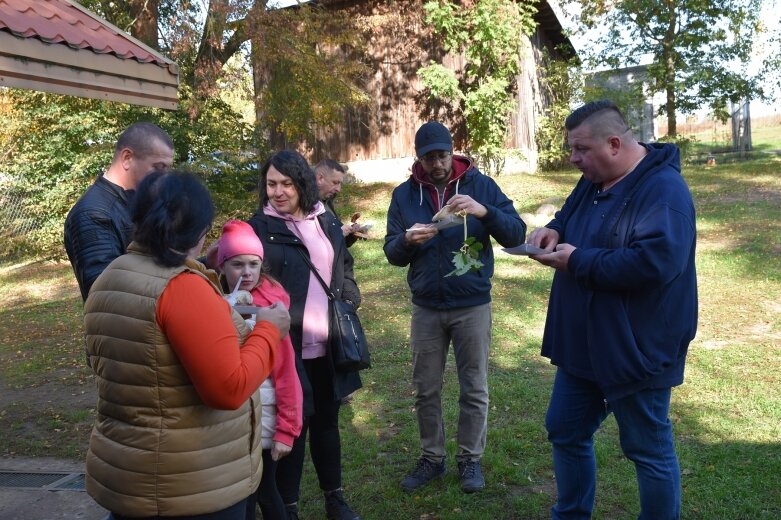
{"x":141,"y":18}
{"x":307,"y":60}
{"x":54,"y":147}
{"x":693,"y":48}
{"x":562,"y":84}
{"x":307,"y":70}
{"x":489,"y":34}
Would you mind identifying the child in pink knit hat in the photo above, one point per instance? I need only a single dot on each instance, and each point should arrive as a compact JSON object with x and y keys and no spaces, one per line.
{"x":239,"y":257}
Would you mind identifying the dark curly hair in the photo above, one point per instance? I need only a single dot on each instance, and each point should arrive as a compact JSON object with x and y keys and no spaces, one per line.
{"x":171,"y":211}
{"x":293,"y":165}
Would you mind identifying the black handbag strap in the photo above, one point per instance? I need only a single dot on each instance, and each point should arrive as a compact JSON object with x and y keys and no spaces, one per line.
{"x":328,"y":291}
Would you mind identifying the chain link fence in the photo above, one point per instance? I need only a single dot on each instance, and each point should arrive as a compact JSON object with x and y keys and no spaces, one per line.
{"x":15,"y":221}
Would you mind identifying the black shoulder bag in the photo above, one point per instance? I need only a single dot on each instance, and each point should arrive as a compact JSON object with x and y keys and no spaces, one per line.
{"x":349,"y":350}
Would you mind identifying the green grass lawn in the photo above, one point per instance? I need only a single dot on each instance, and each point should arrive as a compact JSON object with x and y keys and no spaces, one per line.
{"x":765,"y":137}
{"x":727,"y":415}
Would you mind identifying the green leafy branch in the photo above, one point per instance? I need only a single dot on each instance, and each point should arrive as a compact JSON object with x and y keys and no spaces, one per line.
{"x":466,"y":258}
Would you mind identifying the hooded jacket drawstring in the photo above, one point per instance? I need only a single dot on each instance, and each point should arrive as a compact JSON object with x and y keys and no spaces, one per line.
{"x":460,"y":166}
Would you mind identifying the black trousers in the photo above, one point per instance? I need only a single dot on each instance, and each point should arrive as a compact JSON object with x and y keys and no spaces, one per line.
{"x":270,"y":501}
{"x":244,"y":510}
{"x":324,"y":443}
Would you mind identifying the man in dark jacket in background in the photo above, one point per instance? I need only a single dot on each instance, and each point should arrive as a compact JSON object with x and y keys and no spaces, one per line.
{"x":330,"y":176}
{"x":622,"y":311}
{"x":98,"y":227}
{"x":456,"y":308}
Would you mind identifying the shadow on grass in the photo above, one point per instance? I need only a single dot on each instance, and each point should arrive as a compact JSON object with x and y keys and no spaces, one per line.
{"x":725,"y":475}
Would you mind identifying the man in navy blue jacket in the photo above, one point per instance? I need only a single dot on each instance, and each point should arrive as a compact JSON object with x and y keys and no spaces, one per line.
{"x":456,"y":308}
{"x":622,"y":310}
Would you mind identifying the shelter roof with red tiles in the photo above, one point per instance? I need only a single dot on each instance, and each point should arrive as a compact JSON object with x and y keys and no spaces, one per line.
{"x":55,"y":25}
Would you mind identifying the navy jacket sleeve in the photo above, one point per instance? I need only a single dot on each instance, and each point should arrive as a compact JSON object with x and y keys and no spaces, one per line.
{"x":396,"y":250}
{"x":657,"y":248}
{"x":502,"y":220}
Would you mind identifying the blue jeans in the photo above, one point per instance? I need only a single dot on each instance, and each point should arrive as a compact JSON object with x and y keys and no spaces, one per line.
{"x":576,"y":410}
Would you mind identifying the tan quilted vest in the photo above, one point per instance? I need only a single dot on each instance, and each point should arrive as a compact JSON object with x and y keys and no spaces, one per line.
{"x":156,"y":449}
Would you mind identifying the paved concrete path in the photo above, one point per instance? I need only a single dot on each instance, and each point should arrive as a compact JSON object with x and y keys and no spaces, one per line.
{"x":41,"y":504}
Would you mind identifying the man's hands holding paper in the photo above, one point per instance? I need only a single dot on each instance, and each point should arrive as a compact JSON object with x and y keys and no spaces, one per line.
{"x":451,"y":214}
{"x":419,"y":234}
{"x":468,"y":205}
{"x":557,"y":255}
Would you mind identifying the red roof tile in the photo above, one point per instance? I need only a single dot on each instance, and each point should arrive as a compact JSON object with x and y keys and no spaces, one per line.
{"x":66,"y":22}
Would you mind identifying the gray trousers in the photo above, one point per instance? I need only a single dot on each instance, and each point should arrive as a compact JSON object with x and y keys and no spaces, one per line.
{"x":431,"y":333}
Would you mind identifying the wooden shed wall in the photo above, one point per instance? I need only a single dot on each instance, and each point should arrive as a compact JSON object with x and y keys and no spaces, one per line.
{"x":398,"y":43}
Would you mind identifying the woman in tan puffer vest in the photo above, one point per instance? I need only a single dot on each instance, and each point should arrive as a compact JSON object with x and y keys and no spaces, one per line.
{"x":177,"y":370}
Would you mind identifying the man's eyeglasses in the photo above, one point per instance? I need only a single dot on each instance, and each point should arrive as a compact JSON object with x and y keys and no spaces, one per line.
{"x":431,"y":158}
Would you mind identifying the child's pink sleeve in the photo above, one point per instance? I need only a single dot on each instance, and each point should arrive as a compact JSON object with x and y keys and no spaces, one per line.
{"x":290,"y":397}
{"x":287,"y":386}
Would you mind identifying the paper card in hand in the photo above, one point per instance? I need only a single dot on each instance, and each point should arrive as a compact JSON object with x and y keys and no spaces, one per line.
{"x":448,"y":222}
{"x":525,"y":249}
{"x":445,"y":218}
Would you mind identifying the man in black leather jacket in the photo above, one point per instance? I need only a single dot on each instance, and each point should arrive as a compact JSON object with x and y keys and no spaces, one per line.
{"x":98,"y":227}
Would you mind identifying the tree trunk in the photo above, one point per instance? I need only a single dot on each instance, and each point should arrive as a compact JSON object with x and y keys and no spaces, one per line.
{"x":260,"y":78}
{"x":144,"y":27}
{"x":668,"y":55}
{"x":672,"y":122}
{"x":214,"y":49}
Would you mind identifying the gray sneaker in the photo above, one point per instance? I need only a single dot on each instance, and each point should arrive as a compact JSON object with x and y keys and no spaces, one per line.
{"x":425,"y":471}
{"x":471,"y":477}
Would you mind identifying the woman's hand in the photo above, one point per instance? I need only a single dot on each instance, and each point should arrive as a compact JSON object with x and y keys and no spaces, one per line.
{"x":277,"y":315}
{"x":279,"y":450}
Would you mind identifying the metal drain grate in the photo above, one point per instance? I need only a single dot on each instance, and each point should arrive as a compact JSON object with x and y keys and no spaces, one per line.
{"x":50,"y":481}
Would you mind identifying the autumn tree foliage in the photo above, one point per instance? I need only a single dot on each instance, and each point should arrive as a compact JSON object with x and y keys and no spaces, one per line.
{"x":53,"y":146}
{"x":696,"y":51}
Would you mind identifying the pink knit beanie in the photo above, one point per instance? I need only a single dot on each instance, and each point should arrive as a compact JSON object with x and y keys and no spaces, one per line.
{"x":238,"y":238}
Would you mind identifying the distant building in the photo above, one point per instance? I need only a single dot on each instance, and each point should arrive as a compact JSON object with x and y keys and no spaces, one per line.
{"x":628,"y":87}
